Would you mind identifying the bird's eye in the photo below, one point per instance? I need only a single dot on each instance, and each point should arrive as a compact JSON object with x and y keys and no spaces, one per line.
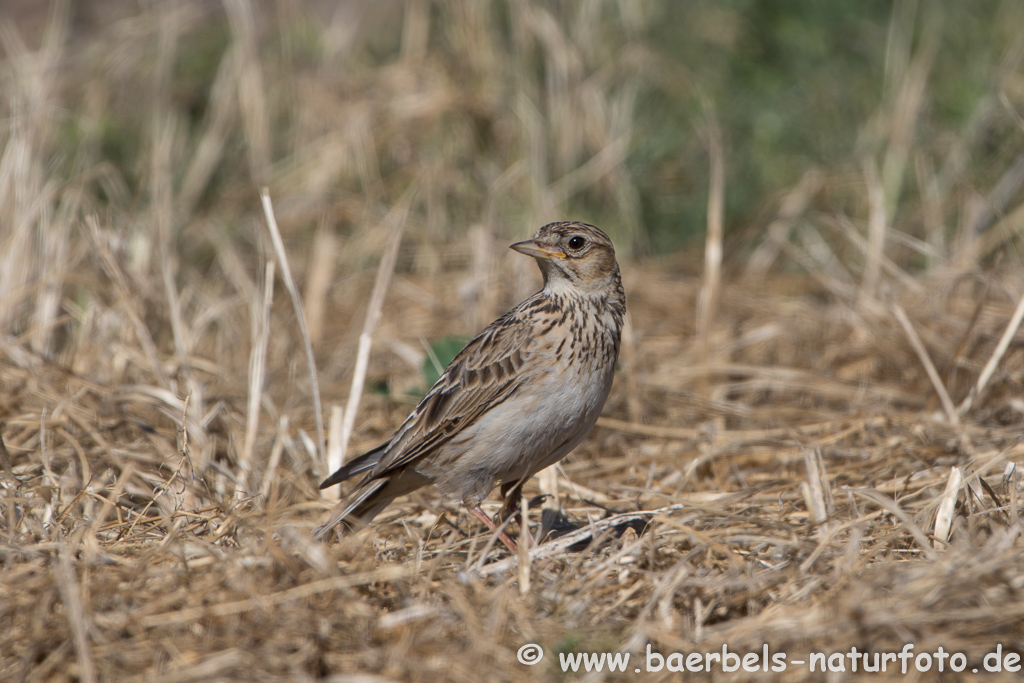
{"x":576,"y":242}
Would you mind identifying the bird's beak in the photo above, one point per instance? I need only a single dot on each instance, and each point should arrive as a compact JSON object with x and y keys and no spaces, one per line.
{"x":537,"y":250}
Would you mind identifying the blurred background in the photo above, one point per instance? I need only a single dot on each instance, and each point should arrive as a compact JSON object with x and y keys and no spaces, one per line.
{"x":509,"y":114}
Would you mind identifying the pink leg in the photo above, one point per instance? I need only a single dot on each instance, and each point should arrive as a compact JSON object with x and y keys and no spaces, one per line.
{"x":502,"y":536}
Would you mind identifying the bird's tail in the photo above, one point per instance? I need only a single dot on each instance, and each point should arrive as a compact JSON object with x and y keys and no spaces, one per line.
{"x":369,"y":498}
{"x":352,"y":511}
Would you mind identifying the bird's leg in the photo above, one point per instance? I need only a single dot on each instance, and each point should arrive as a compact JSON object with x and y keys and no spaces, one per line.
{"x":512,"y":508}
{"x":477,"y":512}
{"x":512,"y":493}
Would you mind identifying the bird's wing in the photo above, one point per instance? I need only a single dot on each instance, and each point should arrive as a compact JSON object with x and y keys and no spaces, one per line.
{"x":480,"y":377}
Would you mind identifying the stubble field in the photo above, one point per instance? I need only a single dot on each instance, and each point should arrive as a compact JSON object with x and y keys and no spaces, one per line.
{"x":811,"y":445}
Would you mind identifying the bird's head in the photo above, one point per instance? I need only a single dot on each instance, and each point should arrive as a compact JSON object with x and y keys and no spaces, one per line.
{"x":573,"y":256}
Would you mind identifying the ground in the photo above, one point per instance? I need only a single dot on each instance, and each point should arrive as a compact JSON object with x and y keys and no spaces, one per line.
{"x":811,"y":448}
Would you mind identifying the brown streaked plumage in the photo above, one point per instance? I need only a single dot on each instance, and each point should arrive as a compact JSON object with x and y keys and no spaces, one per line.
{"x":518,"y":398}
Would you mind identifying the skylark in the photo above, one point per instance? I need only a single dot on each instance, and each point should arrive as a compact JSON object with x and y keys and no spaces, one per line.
{"x":518,"y":398}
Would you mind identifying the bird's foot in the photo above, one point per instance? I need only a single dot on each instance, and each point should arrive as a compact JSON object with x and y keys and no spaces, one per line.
{"x":477,"y":512}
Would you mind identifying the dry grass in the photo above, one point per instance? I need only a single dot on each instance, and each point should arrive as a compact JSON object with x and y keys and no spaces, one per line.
{"x":829,"y":461}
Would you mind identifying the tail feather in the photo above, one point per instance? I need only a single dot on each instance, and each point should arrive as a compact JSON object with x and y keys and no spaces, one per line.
{"x":357,"y":498}
{"x":369,"y":498}
{"x":355,"y":466}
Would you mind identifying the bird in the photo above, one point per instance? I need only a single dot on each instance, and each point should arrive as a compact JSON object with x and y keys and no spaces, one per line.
{"x":519,"y":397}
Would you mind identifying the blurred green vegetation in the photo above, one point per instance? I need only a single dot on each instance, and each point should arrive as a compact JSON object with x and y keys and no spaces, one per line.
{"x":790,"y":83}
{"x":793,"y":85}
{"x":442,"y":352}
